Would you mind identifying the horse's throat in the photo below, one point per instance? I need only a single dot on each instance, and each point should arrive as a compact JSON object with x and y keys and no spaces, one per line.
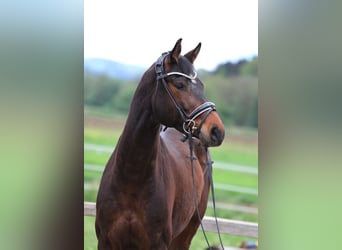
{"x":138,"y":145}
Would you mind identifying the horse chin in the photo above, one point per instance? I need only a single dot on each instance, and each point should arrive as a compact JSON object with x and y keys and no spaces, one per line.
{"x":206,"y":142}
{"x":212,"y":140}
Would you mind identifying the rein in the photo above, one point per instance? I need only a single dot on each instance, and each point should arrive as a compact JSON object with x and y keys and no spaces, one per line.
{"x":209,"y":169}
{"x":189,"y":128}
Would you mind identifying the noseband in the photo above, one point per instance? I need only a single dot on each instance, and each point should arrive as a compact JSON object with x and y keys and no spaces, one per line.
{"x":188,"y":120}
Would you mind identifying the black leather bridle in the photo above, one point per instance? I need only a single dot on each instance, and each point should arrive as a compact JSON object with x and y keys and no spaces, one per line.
{"x":188,"y":120}
{"x":189,"y":127}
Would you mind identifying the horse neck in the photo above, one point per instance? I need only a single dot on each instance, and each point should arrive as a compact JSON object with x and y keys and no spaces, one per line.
{"x":137,"y":147}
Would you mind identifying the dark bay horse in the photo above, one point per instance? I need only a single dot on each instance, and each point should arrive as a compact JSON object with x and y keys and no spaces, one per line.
{"x":146,"y":196}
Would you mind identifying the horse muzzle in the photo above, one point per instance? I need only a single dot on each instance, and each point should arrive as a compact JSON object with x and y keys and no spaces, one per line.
{"x":212,"y":131}
{"x":205,"y":124}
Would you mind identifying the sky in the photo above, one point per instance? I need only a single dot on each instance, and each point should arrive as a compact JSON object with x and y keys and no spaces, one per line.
{"x":138,"y":31}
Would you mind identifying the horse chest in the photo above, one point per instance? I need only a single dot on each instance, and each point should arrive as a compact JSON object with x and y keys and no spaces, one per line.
{"x":144,"y":201}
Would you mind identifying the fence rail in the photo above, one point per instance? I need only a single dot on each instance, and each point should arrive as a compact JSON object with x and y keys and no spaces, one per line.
{"x":234,"y":227}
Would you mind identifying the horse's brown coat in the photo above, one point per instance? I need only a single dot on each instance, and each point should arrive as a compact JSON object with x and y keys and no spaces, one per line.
{"x":146,"y":198}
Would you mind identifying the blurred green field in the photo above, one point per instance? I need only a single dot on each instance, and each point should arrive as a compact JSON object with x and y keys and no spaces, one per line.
{"x":100,"y":131}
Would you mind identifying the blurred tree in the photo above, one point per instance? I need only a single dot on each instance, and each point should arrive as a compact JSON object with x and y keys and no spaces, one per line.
{"x":100,"y":90}
{"x":230,"y":69}
{"x":121,"y":102}
{"x":254,"y":115}
{"x":250,"y":67}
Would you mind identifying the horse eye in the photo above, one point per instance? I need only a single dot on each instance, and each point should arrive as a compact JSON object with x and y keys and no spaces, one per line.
{"x":179,"y":85}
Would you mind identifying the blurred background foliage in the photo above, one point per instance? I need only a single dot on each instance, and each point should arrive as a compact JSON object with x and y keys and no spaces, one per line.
{"x":233,"y":86}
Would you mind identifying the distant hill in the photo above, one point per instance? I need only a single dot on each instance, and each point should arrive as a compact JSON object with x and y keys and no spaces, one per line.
{"x":112,"y":69}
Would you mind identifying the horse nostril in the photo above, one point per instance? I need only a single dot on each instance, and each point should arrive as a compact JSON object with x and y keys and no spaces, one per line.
{"x":216,"y":135}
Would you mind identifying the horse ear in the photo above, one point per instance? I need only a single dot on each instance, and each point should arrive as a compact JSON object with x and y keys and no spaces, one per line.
{"x":191,"y":55}
{"x":175,"y":53}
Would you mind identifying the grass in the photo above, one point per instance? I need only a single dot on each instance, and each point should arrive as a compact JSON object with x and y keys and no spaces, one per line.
{"x":96,"y":158}
{"x":90,"y":240}
{"x":230,"y":152}
{"x":235,"y":152}
{"x":101,"y":136}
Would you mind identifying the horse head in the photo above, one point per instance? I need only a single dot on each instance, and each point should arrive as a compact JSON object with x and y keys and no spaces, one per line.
{"x":179,"y":99}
